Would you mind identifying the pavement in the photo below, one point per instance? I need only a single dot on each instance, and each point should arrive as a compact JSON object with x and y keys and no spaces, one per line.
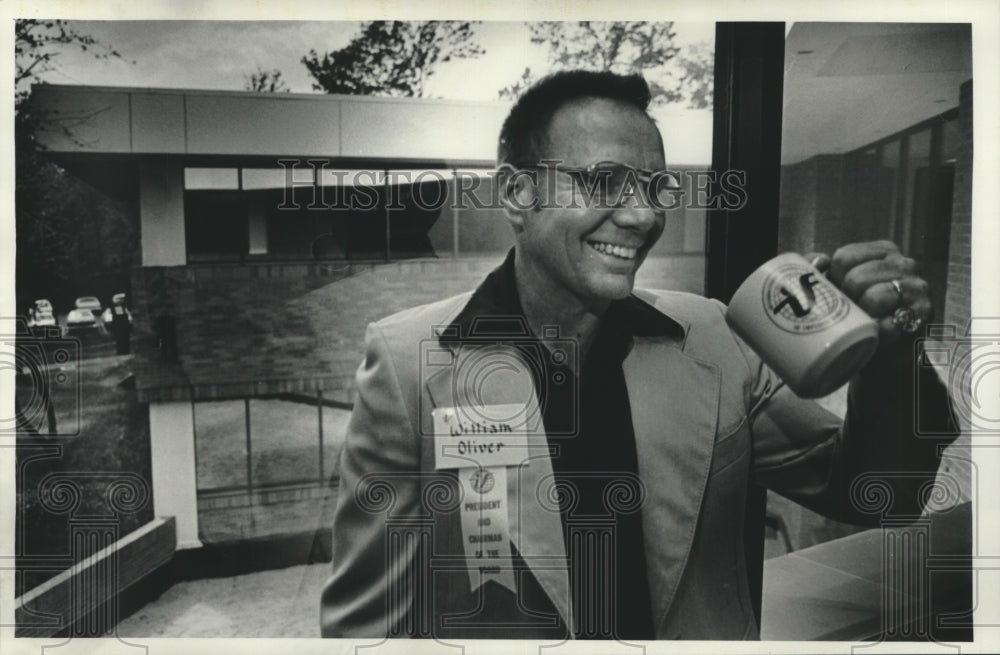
{"x":275,"y":603}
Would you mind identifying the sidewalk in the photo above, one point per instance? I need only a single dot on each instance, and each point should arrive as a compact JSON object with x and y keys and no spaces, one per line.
{"x":276,"y":603}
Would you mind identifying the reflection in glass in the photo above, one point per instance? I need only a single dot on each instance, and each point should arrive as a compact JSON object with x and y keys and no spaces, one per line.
{"x":950,"y":137}
{"x":890,"y":165}
{"x":220,"y":444}
{"x":334,"y":429}
{"x":869,"y":145}
{"x":285,"y":441}
{"x":918,"y":157}
{"x":211,"y":178}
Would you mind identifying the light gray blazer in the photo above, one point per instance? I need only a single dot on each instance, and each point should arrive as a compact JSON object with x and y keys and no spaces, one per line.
{"x":709,"y":420}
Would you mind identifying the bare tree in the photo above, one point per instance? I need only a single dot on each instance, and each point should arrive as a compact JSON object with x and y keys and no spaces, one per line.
{"x":37,"y":43}
{"x":265,"y":81}
{"x":65,"y":230}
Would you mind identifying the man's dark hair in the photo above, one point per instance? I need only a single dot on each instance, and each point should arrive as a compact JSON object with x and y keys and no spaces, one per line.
{"x":524,"y":134}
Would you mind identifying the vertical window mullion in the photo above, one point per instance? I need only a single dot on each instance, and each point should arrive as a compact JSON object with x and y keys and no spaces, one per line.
{"x":454,"y":214}
{"x":319,"y":412}
{"x":935,"y":155}
{"x":902,"y":174}
{"x":385,"y":199}
{"x":246,"y":405}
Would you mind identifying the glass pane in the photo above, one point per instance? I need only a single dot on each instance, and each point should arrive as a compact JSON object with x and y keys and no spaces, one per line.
{"x":867,"y":178}
{"x":350,"y":177}
{"x":273,"y":178}
{"x":950,"y":136}
{"x":855,"y":96}
{"x":211,"y":178}
{"x":917,"y":167}
{"x":291,"y":233}
{"x":220,"y":444}
{"x":284,"y":438}
{"x":482,"y":223}
{"x":334,"y":430}
{"x":677,"y":261}
{"x":419,"y":203}
{"x":215,"y":225}
{"x":682,"y":86}
{"x":888,"y":181}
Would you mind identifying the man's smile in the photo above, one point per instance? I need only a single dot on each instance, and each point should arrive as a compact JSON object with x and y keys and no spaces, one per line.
{"x":614,"y":250}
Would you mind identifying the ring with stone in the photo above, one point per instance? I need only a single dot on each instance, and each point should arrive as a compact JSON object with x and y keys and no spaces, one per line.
{"x":906,"y":320}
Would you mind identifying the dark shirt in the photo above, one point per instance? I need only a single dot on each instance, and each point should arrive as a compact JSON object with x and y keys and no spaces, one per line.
{"x":588,"y":421}
{"x":608,"y":579}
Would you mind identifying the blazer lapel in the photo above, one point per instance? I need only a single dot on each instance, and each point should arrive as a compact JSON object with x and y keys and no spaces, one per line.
{"x":674,"y":401}
{"x":535,"y":530}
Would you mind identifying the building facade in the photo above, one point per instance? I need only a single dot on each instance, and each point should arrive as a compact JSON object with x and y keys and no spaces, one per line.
{"x":274,"y":228}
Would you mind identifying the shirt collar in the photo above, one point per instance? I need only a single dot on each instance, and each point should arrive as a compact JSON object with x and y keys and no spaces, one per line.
{"x":494,"y":311}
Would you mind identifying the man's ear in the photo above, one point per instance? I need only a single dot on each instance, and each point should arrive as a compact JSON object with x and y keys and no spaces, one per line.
{"x":518,"y":192}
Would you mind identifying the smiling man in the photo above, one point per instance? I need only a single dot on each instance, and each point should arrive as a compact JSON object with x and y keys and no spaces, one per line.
{"x":601,"y":490}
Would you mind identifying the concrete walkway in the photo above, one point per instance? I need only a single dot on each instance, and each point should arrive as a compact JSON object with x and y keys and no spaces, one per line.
{"x":277,"y":603}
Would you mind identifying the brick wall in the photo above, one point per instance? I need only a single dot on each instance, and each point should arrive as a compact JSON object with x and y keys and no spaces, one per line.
{"x":958,"y":295}
{"x":831,"y":200}
{"x":797,"y":207}
{"x":812,"y":211}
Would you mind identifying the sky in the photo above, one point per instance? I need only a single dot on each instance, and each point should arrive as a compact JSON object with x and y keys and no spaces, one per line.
{"x":219,"y":54}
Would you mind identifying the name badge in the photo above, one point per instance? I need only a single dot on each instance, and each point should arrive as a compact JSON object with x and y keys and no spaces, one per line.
{"x":487,"y":436}
{"x":481,"y":444}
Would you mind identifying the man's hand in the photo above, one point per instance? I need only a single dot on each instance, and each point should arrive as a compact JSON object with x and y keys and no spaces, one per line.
{"x":866,"y":272}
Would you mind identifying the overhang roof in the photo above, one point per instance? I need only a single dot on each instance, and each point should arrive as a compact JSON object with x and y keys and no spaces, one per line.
{"x":850,"y":84}
{"x":113,"y":126}
{"x":227,"y":128}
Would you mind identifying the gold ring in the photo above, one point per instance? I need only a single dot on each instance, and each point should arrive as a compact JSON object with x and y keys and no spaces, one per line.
{"x":899,"y":292}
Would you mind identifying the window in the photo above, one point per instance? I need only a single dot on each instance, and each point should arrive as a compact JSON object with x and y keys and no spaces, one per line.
{"x":201,"y":179}
{"x":220,"y":444}
{"x":915,"y":173}
{"x":250,"y":444}
{"x":868,"y":151}
{"x":215,"y":225}
{"x":256,"y":214}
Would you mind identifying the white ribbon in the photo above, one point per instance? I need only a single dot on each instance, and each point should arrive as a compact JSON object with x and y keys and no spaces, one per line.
{"x":481,"y":448}
{"x":485,"y":530}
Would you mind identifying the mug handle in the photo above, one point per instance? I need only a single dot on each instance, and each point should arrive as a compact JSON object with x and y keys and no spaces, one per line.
{"x":814,"y":258}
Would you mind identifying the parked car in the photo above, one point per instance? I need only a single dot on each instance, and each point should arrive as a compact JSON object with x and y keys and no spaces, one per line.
{"x":41,"y":319}
{"x":81,"y":319}
{"x":88,"y":302}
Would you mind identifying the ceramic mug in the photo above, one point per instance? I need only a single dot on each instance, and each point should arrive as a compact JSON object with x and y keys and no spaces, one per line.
{"x":805,"y":328}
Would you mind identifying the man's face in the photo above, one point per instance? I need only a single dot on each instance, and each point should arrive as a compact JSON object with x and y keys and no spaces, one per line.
{"x":591,"y":253}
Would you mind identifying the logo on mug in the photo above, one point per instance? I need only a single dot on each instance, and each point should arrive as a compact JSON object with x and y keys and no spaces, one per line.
{"x":800,"y":300}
